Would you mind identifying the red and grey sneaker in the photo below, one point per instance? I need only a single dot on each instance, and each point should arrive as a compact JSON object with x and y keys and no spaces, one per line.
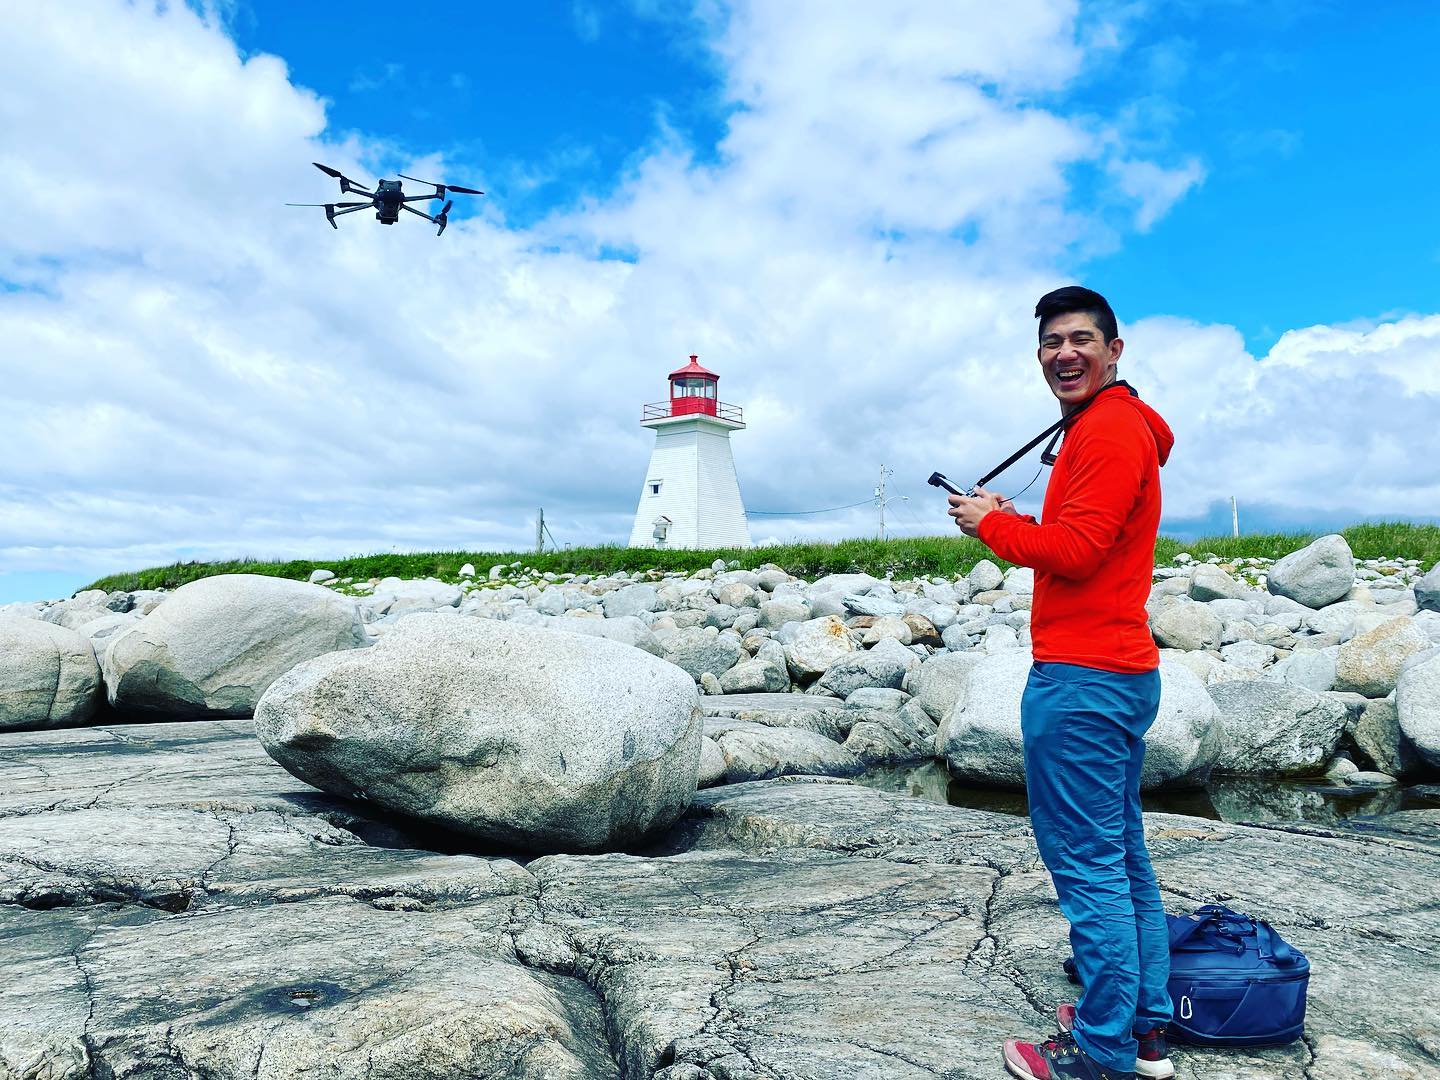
{"x":1058,"y":1059}
{"x":1152,"y":1061}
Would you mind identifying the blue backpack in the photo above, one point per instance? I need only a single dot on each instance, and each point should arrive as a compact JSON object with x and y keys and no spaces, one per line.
{"x":1233,"y":979}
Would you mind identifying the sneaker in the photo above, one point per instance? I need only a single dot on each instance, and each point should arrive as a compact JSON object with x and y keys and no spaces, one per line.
{"x":1152,"y":1060}
{"x":1058,"y":1059}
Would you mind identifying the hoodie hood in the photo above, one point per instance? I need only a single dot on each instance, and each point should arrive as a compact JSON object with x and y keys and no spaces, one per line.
{"x":1164,"y":437}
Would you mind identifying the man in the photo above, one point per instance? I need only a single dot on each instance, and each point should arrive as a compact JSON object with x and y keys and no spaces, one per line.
{"x":1093,"y":691}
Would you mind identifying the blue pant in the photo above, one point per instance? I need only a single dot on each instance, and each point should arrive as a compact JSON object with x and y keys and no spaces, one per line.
{"x":1084,"y":745}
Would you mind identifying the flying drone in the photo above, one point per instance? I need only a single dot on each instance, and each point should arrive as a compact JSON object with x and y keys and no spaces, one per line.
{"x":388,"y":199}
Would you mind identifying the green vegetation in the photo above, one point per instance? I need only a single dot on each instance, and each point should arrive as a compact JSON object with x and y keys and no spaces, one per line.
{"x":942,"y":556}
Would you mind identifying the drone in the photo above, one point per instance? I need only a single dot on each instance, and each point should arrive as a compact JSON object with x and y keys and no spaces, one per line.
{"x":388,"y":199}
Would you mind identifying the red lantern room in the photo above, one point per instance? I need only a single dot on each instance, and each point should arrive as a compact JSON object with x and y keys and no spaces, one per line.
{"x":693,"y":389}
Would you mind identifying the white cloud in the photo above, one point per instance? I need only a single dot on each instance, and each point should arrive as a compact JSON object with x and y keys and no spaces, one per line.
{"x":1156,"y":188}
{"x":194,"y":370}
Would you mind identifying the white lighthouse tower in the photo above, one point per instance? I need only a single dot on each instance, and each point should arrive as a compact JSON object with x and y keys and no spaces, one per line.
{"x":691,"y":497}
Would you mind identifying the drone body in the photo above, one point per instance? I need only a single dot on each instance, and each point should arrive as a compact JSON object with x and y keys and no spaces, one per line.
{"x":388,"y":199}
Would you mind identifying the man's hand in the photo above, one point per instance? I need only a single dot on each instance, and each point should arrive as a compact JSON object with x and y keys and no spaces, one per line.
{"x":967,"y":511}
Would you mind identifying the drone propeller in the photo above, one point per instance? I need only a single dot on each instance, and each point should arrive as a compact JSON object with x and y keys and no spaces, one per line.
{"x":443,"y":218}
{"x":327,"y":170}
{"x":440,"y":189}
{"x":327,"y":204}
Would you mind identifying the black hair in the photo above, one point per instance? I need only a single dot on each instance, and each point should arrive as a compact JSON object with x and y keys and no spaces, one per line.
{"x":1078,"y":298}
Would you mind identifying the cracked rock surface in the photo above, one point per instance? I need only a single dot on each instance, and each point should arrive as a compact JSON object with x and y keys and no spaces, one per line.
{"x":172,"y":904}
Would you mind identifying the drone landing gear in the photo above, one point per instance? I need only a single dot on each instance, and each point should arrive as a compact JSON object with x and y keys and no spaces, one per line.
{"x":442,"y":218}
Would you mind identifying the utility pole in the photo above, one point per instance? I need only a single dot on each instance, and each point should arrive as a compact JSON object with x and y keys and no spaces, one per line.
{"x":881,"y":500}
{"x":540,"y":530}
{"x":1234,"y":517}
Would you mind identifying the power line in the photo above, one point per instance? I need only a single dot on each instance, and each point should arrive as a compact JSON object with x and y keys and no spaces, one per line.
{"x":802,"y":513}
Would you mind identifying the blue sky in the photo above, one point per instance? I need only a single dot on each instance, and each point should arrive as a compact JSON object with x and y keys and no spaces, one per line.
{"x":1315,"y":124}
{"x":846,"y":209}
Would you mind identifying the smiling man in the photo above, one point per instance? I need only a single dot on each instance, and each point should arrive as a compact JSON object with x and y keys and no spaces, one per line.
{"x":1093,"y":692}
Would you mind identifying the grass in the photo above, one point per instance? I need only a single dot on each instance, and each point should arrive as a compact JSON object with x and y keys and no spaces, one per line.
{"x":923,"y":556}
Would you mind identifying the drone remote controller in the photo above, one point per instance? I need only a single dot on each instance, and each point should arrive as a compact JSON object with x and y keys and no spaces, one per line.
{"x":938,"y":480}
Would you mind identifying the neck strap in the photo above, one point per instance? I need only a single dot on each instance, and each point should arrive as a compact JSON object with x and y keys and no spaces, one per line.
{"x":1055,"y":432}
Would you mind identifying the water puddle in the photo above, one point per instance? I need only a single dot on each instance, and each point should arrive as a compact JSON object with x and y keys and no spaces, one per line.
{"x":1233,"y":799}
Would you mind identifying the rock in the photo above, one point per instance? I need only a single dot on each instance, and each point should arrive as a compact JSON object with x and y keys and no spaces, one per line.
{"x":770,"y":580}
{"x":776,"y":612}
{"x":1369,"y":663}
{"x":760,"y":752}
{"x":890,"y":627}
{"x":397,"y":596}
{"x":984,"y":576}
{"x":892,"y":736}
{"x":874,"y":606}
{"x":999,"y":637}
{"x":922,"y":630}
{"x":552,"y":601}
{"x":939,"y":682}
{"x":627,"y":630}
{"x":1377,"y":735}
{"x":1417,"y":703}
{"x":1316,"y":575}
{"x":1248,"y":654}
{"x":712,"y":763}
{"x":815,"y":645}
{"x":79,"y":609}
{"x":736,"y":594}
{"x":885,"y":665}
{"x":1019,"y":580}
{"x":1269,"y":729}
{"x":842,"y":584}
{"x":698,"y":650}
{"x":755,"y":677}
{"x":1211,"y":583}
{"x":1340,"y":768}
{"x":215,"y":645}
{"x":100,"y":631}
{"x":709,"y":684}
{"x":981,"y":738}
{"x":468,"y":570}
{"x":1186,"y":626}
{"x":318,"y":576}
{"x":631,"y":600}
{"x":1312,"y":669}
{"x":542,"y":741}
{"x":876,"y":697}
{"x":48,"y":675}
{"x":793,"y":927}
{"x":1370,"y":780}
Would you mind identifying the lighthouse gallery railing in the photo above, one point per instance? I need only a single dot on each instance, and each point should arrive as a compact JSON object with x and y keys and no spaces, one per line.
{"x":691,"y":406}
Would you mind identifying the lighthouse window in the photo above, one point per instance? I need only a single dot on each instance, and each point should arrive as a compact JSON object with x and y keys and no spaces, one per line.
{"x":654,"y":487}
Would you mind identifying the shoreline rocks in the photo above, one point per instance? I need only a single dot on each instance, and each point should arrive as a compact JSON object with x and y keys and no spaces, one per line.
{"x":598,"y":747}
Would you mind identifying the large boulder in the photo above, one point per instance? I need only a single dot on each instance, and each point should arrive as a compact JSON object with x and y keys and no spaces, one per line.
{"x":1209,"y":582}
{"x":1417,"y":702}
{"x":1318,"y":574}
{"x":776,"y":612}
{"x":215,"y":645}
{"x":1369,"y":663}
{"x":697,"y":650}
{"x":1377,"y":735}
{"x":938,"y":683}
{"x":816,"y":644}
{"x":630,"y":600}
{"x":48,"y":675}
{"x":1188,"y":626}
{"x":530,"y":739}
{"x":981,"y":738}
{"x":1272,"y":729}
{"x":884,"y":665}
{"x":760,"y":752}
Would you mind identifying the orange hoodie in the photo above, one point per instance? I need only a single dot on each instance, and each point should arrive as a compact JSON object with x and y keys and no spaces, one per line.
{"x":1094,"y":555}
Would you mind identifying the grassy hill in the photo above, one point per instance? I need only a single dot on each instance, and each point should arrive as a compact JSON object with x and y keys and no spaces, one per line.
{"x":927,"y":556}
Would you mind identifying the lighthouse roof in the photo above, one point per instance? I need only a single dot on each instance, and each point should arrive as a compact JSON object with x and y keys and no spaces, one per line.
{"x":692,"y":368}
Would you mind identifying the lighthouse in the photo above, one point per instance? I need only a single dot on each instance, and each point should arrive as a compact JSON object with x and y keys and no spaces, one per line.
{"x":691,"y":497}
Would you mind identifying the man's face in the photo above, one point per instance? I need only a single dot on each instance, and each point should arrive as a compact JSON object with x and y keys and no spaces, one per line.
{"x":1075,"y":358}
